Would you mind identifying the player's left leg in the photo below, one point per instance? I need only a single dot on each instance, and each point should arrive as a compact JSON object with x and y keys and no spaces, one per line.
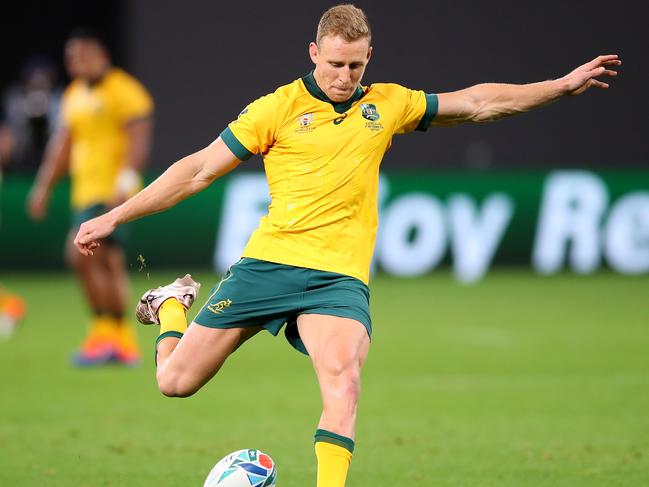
{"x":117,"y":278}
{"x":338,"y":348}
{"x":126,"y":350}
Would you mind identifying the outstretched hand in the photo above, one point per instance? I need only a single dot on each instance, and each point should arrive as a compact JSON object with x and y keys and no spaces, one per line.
{"x":582,"y":78}
{"x":92,"y":231}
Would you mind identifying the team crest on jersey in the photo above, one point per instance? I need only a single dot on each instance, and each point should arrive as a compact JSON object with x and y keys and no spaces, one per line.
{"x":368,"y":110}
{"x":305,"y":119}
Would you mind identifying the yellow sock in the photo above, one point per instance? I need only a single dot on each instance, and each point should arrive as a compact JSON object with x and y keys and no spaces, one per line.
{"x":103,"y":326}
{"x":334,"y":454}
{"x":173,"y":317}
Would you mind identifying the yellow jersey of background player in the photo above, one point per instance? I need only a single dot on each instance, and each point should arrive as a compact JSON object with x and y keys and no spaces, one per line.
{"x":95,"y":115}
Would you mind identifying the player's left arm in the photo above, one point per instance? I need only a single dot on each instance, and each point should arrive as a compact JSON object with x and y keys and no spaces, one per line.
{"x":138,"y":134}
{"x":134,"y":110}
{"x":492,"y":101}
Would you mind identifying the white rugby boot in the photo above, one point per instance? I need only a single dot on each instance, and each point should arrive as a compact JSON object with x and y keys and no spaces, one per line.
{"x":183,"y":289}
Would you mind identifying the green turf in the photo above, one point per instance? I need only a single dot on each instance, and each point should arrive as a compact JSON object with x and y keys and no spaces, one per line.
{"x":517,"y":381}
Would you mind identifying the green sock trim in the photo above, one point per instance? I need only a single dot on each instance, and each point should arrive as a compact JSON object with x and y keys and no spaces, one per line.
{"x":168,"y":334}
{"x":325,"y":436}
{"x":164,"y":335}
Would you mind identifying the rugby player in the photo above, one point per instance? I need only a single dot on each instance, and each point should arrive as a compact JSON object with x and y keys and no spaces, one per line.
{"x":103,"y":141}
{"x":306,"y":266}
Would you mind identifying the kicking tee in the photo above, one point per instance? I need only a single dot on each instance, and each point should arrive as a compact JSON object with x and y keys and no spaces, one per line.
{"x":322,"y":165}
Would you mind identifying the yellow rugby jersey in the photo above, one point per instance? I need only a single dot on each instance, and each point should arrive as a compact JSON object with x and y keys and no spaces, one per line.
{"x":322,"y":164}
{"x":96,"y":114}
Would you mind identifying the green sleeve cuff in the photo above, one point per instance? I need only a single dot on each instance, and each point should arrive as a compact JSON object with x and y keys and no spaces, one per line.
{"x":237,"y":148}
{"x":432,"y":104}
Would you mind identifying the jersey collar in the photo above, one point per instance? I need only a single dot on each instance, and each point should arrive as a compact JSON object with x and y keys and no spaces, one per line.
{"x":315,"y":91}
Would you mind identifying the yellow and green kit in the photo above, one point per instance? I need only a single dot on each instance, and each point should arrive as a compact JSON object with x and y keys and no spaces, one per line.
{"x":322,"y":164}
{"x":312,"y":251}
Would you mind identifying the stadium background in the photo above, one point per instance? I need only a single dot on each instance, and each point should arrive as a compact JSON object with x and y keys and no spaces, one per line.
{"x":204,"y":62}
{"x":518,"y":380}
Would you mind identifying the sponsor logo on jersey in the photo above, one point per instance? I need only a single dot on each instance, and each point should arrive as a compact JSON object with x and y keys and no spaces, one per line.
{"x":368,"y":110}
{"x":219,"y":307}
{"x":340,"y":119}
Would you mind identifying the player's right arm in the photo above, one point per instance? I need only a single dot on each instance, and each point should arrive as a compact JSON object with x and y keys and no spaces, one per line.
{"x":54,"y":166}
{"x":182,"y":179}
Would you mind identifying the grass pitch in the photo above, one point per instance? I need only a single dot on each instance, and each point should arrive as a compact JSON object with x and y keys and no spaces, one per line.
{"x":517,"y":381}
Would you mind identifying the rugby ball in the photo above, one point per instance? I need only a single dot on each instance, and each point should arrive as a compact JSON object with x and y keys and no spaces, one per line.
{"x":243,"y":468}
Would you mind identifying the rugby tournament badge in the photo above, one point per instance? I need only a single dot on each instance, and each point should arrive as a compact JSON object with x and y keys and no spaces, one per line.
{"x":305,"y":119}
{"x":305,"y":123}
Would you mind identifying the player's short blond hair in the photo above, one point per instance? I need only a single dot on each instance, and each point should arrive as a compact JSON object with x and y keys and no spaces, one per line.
{"x":346,"y":21}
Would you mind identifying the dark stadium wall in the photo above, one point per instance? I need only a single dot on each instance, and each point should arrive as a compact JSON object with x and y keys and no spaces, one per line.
{"x":205,"y":60}
{"x":38,"y":28}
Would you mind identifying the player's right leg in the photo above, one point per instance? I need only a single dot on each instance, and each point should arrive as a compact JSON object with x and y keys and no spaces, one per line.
{"x":191,"y":362}
{"x":186,"y":357}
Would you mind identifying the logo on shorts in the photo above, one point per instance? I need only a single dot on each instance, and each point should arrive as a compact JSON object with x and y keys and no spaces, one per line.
{"x":219,"y":307}
{"x":368,"y":110}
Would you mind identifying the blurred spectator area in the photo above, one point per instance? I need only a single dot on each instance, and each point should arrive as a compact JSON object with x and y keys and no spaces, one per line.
{"x":30,"y":107}
{"x":204,"y":61}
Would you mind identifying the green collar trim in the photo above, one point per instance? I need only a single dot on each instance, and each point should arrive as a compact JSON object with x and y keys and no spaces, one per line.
{"x":315,"y":91}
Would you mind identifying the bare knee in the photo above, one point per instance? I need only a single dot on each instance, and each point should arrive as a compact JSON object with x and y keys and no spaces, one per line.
{"x":340,"y":386}
{"x":175,"y":385}
{"x":341,"y":381}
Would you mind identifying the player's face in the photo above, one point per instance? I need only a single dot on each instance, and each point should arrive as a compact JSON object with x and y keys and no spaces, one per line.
{"x":85,"y":59}
{"x":339,"y":65}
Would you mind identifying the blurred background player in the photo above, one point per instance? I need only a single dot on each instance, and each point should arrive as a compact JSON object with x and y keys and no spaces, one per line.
{"x":103,"y":140}
{"x":12,"y":306}
{"x":12,"y":310}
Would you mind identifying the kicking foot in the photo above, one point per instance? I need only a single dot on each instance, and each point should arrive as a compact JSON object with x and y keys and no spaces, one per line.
{"x":184,"y":290}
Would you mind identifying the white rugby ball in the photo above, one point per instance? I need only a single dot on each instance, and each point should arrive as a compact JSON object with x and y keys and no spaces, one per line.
{"x":243,"y":468}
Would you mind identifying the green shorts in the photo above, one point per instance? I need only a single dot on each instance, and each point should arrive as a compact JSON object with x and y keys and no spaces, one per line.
{"x":259,"y":293}
{"x":118,"y":237}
